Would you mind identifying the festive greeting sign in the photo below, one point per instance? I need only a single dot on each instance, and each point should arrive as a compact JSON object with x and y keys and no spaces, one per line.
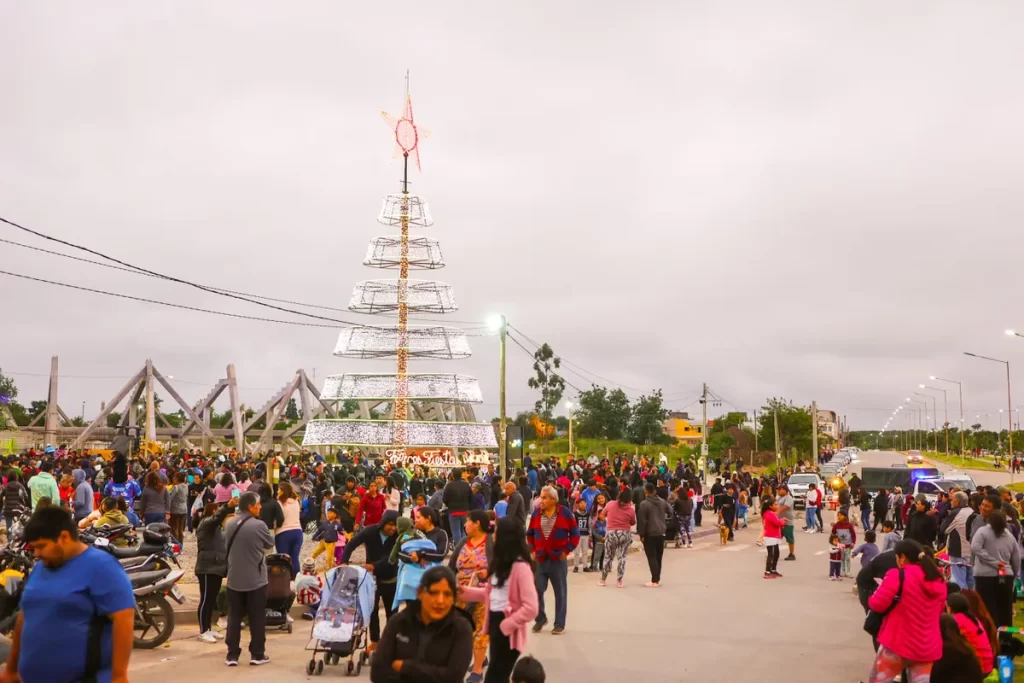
{"x":436,"y":458}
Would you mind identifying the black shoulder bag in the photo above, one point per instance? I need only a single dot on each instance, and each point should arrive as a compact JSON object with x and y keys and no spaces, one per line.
{"x":873,"y":620}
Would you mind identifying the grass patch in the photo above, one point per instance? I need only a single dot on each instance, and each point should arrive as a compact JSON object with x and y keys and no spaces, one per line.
{"x":982,"y":463}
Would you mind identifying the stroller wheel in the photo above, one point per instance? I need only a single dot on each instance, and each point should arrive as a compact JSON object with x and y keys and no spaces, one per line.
{"x":310,"y":666}
{"x":319,"y":667}
{"x":351,"y":667}
{"x":364,"y":658}
{"x":288,"y":628}
{"x":358,"y":667}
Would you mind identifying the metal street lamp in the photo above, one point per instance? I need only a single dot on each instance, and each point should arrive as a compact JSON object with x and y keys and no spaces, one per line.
{"x":945,"y":411}
{"x":1009,"y":399}
{"x":960,"y":386}
{"x":935,"y":416}
{"x":919,"y":425}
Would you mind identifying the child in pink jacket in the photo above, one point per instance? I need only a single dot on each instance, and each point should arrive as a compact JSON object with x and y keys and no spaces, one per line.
{"x":509,"y":597}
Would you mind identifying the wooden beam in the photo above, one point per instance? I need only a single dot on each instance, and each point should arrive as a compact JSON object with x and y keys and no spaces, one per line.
{"x":203,"y":406}
{"x":64,"y":416}
{"x":184,"y":406}
{"x":150,"y":406}
{"x":331,"y":412}
{"x":101,"y":419}
{"x":52,"y":417}
{"x":236,"y":410}
{"x":304,"y":397}
{"x":275,"y":414}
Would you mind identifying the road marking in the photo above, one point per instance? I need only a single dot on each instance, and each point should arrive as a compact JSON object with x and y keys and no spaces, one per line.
{"x":734,"y":548}
{"x":821,"y":552}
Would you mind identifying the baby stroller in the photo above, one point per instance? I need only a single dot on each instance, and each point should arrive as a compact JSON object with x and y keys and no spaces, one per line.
{"x":672,"y":529}
{"x":409,"y":573}
{"x":342,"y":619}
{"x":280,"y":595}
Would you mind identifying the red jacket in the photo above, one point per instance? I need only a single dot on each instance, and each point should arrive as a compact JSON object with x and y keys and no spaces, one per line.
{"x":565,"y":535}
{"x":373,"y":507}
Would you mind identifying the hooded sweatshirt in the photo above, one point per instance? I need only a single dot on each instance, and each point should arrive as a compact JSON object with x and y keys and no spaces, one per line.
{"x":43,"y":485}
{"x":911,"y":630}
{"x":82,"y":501}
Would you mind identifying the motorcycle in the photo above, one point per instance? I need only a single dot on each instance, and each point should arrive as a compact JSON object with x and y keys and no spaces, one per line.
{"x":158,"y":547}
{"x":154,"y":616}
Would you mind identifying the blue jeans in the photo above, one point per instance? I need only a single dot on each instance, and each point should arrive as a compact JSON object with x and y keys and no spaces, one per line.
{"x":865,"y":518}
{"x":810,"y":518}
{"x":290,"y":543}
{"x":962,"y":575}
{"x":557,"y":571}
{"x":154,"y":518}
{"x":458,"y":524}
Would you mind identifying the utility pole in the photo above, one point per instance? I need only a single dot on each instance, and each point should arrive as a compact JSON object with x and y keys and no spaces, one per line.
{"x":778,"y":440}
{"x":702,"y":463}
{"x":502,"y":417}
{"x":757,"y":428}
{"x":814,"y":432}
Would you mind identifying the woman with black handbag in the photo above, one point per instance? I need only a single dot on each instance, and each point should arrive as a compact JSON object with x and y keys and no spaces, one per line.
{"x":908,"y":603}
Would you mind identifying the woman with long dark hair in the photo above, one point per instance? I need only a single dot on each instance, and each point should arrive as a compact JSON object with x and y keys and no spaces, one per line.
{"x":155,"y":503}
{"x":621,"y":517}
{"x":959,"y":664}
{"x":981,"y":615}
{"x":510,"y":597}
{"x":996,"y":562}
{"x":772,"y":530}
{"x":211,"y":564}
{"x":470,"y":561}
{"x":288,"y":539}
{"x":909,"y":637}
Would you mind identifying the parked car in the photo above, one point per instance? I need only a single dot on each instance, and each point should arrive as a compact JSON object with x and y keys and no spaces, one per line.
{"x":799,"y":484}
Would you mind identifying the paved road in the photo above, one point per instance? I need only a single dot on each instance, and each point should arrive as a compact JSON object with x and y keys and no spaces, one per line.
{"x":715,"y":618}
{"x":887,"y":458}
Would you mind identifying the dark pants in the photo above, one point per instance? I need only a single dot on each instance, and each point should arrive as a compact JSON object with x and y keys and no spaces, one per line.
{"x":728,"y":519}
{"x":385,"y":592}
{"x":997,"y":594}
{"x":698,"y":512}
{"x":772,"y":563}
{"x":654,"y":548}
{"x":178,"y":526}
{"x":254,"y":605}
{"x":502,"y":656}
{"x":821,"y":525}
{"x":209,"y":588}
{"x":155,"y":518}
{"x":290,"y":543}
{"x":557,"y":571}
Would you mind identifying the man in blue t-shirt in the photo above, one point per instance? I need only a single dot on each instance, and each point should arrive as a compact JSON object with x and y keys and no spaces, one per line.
{"x":81,"y":596}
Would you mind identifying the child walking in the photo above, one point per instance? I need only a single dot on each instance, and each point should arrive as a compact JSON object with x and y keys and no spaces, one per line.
{"x":579,"y":554}
{"x":889,"y":536}
{"x":741,"y":510}
{"x":867,"y":550}
{"x":847,"y":535}
{"x":597,"y":534}
{"x":328,"y":535}
{"x":835,"y":558}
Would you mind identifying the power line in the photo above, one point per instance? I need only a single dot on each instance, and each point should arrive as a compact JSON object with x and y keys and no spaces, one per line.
{"x":135,"y":271}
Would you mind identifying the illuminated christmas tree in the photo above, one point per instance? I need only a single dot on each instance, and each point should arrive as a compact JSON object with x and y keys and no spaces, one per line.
{"x":437,"y":400}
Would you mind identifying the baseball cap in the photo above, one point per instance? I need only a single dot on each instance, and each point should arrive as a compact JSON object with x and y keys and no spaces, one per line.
{"x":1002,"y":489}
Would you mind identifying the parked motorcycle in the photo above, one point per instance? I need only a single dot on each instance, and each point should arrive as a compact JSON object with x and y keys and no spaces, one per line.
{"x":158,"y":547}
{"x":154,"y":616}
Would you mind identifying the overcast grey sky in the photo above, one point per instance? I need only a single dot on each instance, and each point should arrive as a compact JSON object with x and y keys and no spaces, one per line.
{"x":801,"y":199}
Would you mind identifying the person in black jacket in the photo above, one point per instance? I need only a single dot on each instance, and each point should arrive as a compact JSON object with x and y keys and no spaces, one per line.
{"x":881,"y":508}
{"x":378,"y":540}
{"x":431,"y":641}
{"x":211,"y":563}
{"x":922,"y":526}
{"x":458,"y":497}
{"x":271,"y":513}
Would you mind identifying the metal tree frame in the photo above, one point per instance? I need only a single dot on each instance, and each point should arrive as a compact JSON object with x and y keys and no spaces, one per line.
{"x":401,"y":297}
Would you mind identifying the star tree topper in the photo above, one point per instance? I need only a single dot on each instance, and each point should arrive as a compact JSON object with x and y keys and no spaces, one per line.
{"x":407,"y":133}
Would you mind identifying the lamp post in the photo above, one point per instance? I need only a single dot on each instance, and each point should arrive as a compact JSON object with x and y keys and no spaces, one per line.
{"x":919,"y":421}
{"x":960,"y":386}
{"x":568,"y":404}
{"x":935,"y":417}
{"x":1009,"y":399}
{"x":500,"y":324}
{"x":945,"y":411}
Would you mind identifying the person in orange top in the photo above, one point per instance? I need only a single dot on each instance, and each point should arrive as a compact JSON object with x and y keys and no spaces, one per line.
{"x":67,"y":490}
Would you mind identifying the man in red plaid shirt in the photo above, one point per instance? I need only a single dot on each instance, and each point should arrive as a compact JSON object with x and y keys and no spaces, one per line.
{"x":552,"y":535}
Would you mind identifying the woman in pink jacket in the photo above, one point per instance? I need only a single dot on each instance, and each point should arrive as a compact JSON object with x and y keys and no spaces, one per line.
{"x":510,"y":598}
{"x":910,"y":638}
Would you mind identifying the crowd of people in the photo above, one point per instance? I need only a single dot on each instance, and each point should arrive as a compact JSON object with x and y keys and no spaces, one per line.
{"x":498,"y":545}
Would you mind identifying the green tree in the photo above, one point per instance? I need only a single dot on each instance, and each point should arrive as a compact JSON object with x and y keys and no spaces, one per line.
{"x":36,"y":408}
{"x":646,"y":418}
{"x":349,"y":407}
{"x":8,"y":389}
{"x":291,"y":412}
{"x":726,"y":421}
{"x":719,"y":443}
{"x":19,"y":413}
{"x":602,"y":413}
{"x":794,"y":427}
{"x":550,"y":385}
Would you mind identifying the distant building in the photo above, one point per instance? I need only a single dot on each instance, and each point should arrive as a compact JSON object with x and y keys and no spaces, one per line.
{"x":679,"y":426}
{"x":828,"y":424}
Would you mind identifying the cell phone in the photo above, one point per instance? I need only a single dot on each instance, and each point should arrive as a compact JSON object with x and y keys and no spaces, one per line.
{"x":236,"y":493}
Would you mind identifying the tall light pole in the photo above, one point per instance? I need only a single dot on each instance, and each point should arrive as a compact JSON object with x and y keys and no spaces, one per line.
{"x":935,"y":417}
{"x":960,"y":386}
{"x":568,"y":404}
{"x":501,"y":323}
{"x":945,"y":411}
{"x":919,"y":421}
{"x":1009,"y":398}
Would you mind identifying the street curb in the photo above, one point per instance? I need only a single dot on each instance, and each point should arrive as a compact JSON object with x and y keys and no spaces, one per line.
{"x":964,"y":467}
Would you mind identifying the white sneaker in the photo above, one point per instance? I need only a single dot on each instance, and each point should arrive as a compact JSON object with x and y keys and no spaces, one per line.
{"x":217,"y":635}
{"x":207,"y":637}
{"x":222,"y":623}
{"x":288,"y":619}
